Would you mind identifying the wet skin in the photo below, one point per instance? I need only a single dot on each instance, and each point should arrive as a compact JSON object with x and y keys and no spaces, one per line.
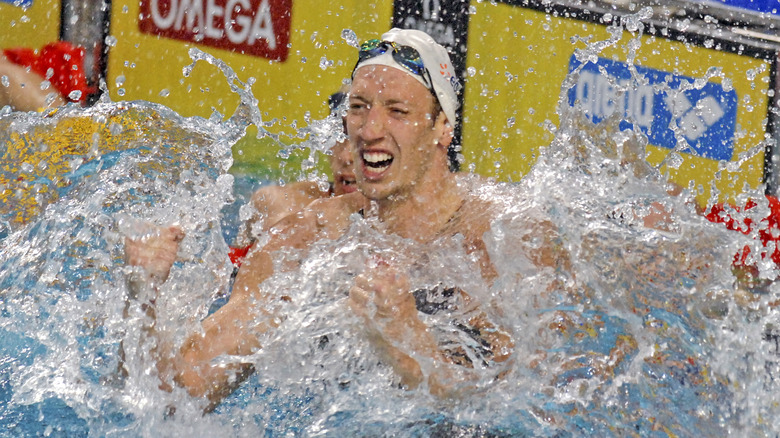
{"x":400,"y":151}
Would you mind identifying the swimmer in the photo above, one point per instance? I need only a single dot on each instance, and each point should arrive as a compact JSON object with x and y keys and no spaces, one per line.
{"x":23,"y":92}
{"x":272,"y":203}
{"x":400,"y":123}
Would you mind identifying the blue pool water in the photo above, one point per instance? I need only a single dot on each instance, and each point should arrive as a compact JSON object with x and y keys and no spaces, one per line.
{"x":633,"y":348}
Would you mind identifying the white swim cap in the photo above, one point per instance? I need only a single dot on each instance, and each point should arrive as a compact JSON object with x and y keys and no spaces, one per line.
{"x":436,"y":60}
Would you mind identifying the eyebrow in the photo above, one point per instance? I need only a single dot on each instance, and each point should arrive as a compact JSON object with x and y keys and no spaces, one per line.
{"x":396,"y":102}
{"x":392,"y":101}
{"x":358,"y":97}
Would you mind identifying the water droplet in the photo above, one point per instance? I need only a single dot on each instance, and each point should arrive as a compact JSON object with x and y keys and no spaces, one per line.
{"x":349,"y":36}
{"x":674,"y":160}
{"x":471,"y":71}
{"x":510,"y":122}
{"x":111,"y":41}
{"x":4,"y":80}
{"x":115,"y":128}
{"x":164,"y":92}
{"x":74,"y":95}
{"x":120,"y":91}
{"x":325,"y":63}
{"x":120,"y":80}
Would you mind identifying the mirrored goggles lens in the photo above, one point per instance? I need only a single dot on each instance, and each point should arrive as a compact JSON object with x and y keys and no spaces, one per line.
{"x":406,"y":56}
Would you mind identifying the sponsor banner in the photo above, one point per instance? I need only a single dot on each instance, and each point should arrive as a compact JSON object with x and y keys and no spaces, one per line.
{"x":252,"y":27}
{"x":760,"y":6}
{"x":29,"y":23}
{"x":713,"y":102}
{"x":318,"y":43}
{"x":664,"y":105}
{"x":19,"y":3}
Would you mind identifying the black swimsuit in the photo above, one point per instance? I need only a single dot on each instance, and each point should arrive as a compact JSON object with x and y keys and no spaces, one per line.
{"x":445,"y":299}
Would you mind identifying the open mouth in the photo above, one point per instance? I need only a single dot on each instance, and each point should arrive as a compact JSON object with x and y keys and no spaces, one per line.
{"x":348,"y":184}
{"x":377,"y":162}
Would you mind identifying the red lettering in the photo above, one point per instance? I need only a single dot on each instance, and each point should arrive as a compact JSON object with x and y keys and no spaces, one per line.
{"x":253,"y":27}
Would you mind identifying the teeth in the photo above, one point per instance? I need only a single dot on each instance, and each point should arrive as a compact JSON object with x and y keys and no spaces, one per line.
{"x":375,"y":158}
{"x":377,"y":161}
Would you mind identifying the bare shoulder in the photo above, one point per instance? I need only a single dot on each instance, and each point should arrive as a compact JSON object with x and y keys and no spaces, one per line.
{"x":277,"y":202}
{"x":332,"y":214}
{"x":478,"y":211}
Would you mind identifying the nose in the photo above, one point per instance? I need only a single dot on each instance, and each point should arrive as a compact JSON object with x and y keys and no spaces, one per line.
{"x":373,"y":124}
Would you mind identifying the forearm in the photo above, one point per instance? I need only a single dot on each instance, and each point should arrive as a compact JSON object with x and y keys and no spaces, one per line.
{"x":391,"y":344}
{"x":212,"y":361}
{"x":420,"y":360}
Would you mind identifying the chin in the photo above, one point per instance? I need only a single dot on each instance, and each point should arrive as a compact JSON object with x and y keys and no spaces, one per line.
{"x":371,"y":192}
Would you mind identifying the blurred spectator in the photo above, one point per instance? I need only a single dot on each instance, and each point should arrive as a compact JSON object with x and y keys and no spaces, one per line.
{"x":767,"y":230}
{"x":23,"y":72}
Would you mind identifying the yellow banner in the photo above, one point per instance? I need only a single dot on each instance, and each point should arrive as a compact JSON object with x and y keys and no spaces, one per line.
{"x":518,"y":59}
{"x":30,"y":25}
{"x":149,"y":67}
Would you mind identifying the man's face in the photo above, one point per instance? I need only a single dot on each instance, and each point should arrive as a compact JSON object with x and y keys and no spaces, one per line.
{"x":343,"y":167}
{"x":394,"y":133}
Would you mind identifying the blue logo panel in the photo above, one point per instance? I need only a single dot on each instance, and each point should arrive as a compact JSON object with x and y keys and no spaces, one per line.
{"x":20,"y":3}
{"x":702,"y":113}
{"x":761,"y":6}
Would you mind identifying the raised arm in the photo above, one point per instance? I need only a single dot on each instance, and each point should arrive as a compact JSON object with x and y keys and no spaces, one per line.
{"x":214,"y":360}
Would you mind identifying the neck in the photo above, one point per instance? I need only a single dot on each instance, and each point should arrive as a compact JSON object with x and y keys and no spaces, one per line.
{"x":423,"y":214}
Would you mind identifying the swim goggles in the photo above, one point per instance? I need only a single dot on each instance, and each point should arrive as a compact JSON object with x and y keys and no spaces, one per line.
{"x":406,"y":56}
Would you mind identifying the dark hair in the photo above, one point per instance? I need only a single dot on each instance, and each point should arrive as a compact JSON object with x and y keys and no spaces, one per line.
{"x":335,"y":100}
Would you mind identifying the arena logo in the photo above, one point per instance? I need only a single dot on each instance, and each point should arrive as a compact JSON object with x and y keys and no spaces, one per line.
{"x":252,"y":27}
{"x":20,"y":3}
{"x":667,"y":107}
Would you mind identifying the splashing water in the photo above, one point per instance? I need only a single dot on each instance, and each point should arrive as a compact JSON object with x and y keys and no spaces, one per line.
{"x":637,"y":330}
